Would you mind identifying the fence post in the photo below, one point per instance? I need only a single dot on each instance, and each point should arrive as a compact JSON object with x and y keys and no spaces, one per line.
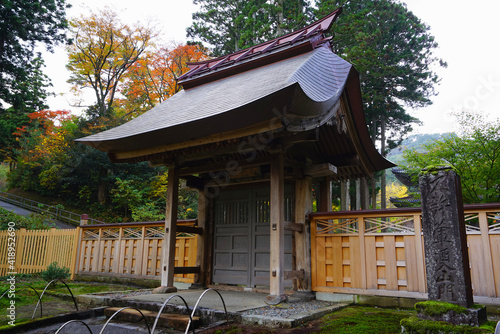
{"x":76,"y":252}
{"x":50,"y":247}
{"x":20,"y":236}
{"x":488,"y":260}
{"x":84,"y":219}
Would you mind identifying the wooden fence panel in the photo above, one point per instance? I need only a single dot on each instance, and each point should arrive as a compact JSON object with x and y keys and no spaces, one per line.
{"x":385,"y":255}
{"x":36,"y":249}
{"x":132,"y":250}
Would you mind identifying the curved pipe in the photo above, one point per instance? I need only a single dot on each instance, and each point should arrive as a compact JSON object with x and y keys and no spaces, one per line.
{"x":43,"y":292}
{"x":196,"y":306}
{"x":163,"y":306}
{"x":123,"y":308}
{"x":59,"y":329}
{"x":32,"y":288}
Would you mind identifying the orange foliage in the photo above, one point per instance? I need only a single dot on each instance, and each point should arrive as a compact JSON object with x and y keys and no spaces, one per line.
{"x":153,"y":78}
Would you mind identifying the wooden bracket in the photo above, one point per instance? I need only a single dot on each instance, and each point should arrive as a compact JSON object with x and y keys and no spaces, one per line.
{"x":321,"y":170}
{"x":289,"y":226}
{"x":294,"y":274}
{"x":186,"y":270}
{"x":189,"y":229}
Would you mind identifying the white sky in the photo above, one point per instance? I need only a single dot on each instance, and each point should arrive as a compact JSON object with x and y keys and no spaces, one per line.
{"x":467,"y":35}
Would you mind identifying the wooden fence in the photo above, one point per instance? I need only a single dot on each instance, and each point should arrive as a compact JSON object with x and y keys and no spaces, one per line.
{"x":132,"y":250}
{"x":382,"y":252}
{"x":36,"y":249}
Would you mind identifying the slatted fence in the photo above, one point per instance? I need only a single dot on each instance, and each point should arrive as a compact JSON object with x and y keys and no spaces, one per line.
{"x":36,"y":249}
{"x":382,"y":252}
{"x":132,"y":250}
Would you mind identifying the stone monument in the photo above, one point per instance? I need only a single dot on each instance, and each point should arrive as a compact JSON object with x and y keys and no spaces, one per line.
{"x":445,"y":239}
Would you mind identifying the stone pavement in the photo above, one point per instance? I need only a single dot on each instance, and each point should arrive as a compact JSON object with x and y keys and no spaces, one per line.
{"x":236,"y":301}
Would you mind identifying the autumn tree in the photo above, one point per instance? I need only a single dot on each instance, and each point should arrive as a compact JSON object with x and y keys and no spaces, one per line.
{"x":23,"y":26}
{"x":474,"y":153}
{"x":103,"y":50}
{"x":228,"y":26}
{"x":153,"y":78}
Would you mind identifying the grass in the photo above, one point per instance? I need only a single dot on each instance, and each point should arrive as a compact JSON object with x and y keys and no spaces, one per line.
{"x":26,"y":298}
{"x":361,"y":319}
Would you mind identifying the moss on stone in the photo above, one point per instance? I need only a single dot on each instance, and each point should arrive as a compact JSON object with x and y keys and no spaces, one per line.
{"x":413,"y":325}
{"x":434,"y":308}
{"x":434,"y":169}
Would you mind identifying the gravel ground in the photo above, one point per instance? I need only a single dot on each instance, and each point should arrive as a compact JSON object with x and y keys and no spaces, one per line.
{"x":286,"y":310}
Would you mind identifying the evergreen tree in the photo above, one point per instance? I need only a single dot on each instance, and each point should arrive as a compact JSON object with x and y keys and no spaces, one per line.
{"x":229,"y":26}
{"x":23,"y":25}
{"x":393,"y":52}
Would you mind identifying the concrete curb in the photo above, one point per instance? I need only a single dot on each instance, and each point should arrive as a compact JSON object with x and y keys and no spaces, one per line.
{"x":292,"y":321}
{"x":38,"y":323}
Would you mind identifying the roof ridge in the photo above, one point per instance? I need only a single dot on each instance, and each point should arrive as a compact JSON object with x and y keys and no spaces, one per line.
{"x":288,"y":45}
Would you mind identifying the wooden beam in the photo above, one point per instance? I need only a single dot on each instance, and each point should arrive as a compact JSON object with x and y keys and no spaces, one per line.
{"x":289,"y":226}
{"x":202,"y":252}
{"x":303,"y":206}
{"x":301,"y":137}
{"x":189,"y":229}
{"x":277,"y":233}
{"x":321,"y":170}
{"x":270,"y":125}
{"x":168,"y":247}
{"x":194,"y":182}
{"x":294,"y":274}
{"x":186,"y":270}
{"x":325,"y":195}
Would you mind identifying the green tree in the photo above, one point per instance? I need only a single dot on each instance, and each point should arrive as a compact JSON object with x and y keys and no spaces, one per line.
{"x":23,"y":25}
{"x":474,"y":153}
{"x":393,"y":52}
{"x":228,"y":26}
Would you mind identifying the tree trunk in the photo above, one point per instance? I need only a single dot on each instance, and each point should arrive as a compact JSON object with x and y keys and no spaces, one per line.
{"x":280,"y":18}
{"x":383,"y":195}
{"x":102,"y":190}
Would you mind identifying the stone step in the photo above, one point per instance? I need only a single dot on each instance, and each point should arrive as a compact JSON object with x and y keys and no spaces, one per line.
{"x":175,"y":321}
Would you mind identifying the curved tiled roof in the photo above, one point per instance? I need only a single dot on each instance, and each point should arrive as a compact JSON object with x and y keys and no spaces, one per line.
{"x":320,"y":74}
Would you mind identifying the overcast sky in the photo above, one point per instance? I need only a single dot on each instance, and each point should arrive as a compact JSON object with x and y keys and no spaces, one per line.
{"x":467,"y":35}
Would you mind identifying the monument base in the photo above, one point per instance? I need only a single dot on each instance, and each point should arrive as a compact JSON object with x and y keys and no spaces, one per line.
{"x":451,"y":313}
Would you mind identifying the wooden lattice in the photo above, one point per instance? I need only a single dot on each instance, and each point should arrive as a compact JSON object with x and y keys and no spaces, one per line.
{"x":493,"y":221}
{"x":403,"y":225}
{"x":132,"y":233}
{"x":90,"y":234}
{"x":155,"y":232}
{"x":336,"y":226}
{"x":110,"y":233}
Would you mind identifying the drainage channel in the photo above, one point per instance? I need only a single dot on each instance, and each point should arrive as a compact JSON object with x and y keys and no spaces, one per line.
{"x":94,"y":320}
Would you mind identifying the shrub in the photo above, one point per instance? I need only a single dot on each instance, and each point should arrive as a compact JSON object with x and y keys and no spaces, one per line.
{"x":55,"y":272}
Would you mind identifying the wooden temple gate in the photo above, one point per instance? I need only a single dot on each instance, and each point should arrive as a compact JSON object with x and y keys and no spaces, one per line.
{"x":380,"y":252}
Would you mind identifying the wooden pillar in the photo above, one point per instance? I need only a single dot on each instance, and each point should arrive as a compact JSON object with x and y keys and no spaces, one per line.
{"x":358,"y":194}
{"x":303,"y":205}
{"x":325,"y":195}
{"x":203,"y":244}
{"x":277,"y":233}
{"x":168,"y":246}
{"x":365,"y":194}
{"x":345,"y":198}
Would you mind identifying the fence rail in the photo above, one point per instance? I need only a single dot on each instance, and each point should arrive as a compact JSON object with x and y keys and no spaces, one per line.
{"x":382,"y":252}
{"x":54,"y":210}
